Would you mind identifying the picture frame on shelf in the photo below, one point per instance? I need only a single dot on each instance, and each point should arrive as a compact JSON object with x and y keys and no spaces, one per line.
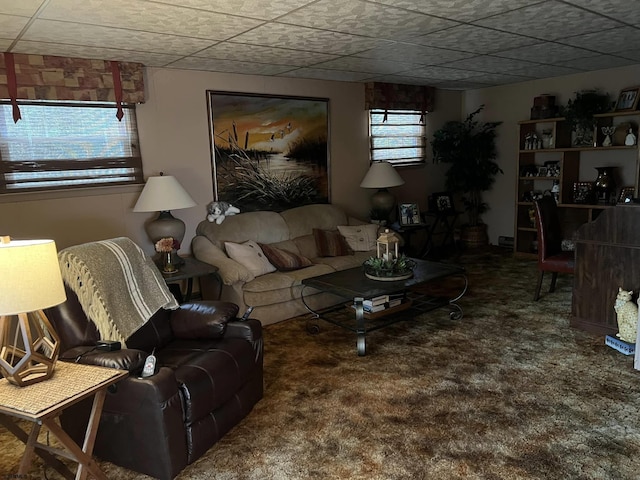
{"x":583,"y":193}
{"x":409,"y":214}
{"x":542,"y":171}
{"x":628,"y":99}
{"x":626,"y":194}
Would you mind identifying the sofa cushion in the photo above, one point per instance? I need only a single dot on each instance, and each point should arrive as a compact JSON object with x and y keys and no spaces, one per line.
{"x":330,"y":243}
{"x":345,"y":261}
{"x":251,"y":256}
{"x":360,"y":238}
{"x":284,"y":260}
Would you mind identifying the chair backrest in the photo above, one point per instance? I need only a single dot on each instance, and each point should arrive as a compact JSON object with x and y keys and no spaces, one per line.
{"x":549,"y":228}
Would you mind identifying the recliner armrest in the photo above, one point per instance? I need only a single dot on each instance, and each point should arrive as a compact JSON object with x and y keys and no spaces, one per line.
{"x":127,"y":359}
{"x":202,"y":319}
{"x":250,"y":329}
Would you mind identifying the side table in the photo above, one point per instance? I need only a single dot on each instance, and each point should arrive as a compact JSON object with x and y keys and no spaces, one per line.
{"x":190,"y":269}
{"x":41,"y":403}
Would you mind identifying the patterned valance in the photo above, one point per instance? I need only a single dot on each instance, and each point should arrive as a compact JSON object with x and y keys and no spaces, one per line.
{"x":47,"y":77}
{"x":394,"y":96}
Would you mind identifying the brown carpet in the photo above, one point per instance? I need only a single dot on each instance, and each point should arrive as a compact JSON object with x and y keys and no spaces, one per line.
{"x":508,"y":392}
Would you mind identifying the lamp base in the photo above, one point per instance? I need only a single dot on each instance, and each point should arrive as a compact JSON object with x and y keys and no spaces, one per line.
{"x":382,"y":202}
{"x":33,"y":360}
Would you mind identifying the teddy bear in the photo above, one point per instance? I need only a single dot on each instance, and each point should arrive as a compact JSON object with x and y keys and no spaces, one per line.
{"x":218,"y":211}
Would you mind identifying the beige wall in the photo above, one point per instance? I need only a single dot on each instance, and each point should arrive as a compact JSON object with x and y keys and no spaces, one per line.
{"x":174,"y":138}
{"x":512,"y":103}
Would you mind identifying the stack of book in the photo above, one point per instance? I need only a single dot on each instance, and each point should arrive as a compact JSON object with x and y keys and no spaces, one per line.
{"x":377,"y":304}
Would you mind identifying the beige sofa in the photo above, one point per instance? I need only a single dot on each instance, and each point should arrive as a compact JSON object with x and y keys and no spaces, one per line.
{"x":275,"y":296}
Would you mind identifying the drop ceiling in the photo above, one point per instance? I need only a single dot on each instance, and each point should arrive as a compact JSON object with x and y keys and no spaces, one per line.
{"x":450,"y":44}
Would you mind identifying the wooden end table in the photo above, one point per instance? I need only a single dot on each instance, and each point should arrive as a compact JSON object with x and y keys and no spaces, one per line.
{"x":41,"y":403}
{"x":190,"y":269}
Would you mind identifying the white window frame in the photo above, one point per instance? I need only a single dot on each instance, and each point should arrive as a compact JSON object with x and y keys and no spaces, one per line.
{"x":388,"y":143}
{"x":96,"y":157}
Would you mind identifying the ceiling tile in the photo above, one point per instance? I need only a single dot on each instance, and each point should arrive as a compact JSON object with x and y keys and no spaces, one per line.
{"x":302,"y":38}
{"x":404,"y":52}
{"x":11,"y":25}
{"x":322,"y":74}
{"x":626,"y":11}
{"x":499,"y":79}
{"x":549,"y":21}
{"x":77,"y":51}
{"x":631,"y":53}
{"x":488,"y":63}
{"x":547,"y":52}
{"x":471,"y":38}
{"x":401,"y":79}
{"x":256,"y":53}
{"x":108,"y":37}
{"x":22,"y":7}
{"x":443,"y":73}
{"x":544,"y":71}
{"x":609,"y":41}
{"x":229,"y":66}
{"x":5,"y":44}
{"x":363,"y":18}
{"x":149,"y":17}
{"x":598,"y":62}
{"x":370,"y":65}
{"x":250,"y":8}
{"x":461,"y":10}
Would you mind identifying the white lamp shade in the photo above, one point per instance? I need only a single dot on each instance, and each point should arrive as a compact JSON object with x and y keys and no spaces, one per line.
{"x":381,"y":175}
{"x":163,"y":193}
{"x":31,"y":276}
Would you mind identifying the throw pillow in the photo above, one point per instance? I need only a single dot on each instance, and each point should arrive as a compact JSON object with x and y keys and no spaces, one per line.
{"x":330,"y":243}
{"x":284,"y":260}
{"x":361,"y":238}
{"x":251,"y":256}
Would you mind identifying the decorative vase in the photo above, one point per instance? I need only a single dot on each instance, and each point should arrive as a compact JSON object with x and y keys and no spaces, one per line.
{"x":605,"y":185}
{"x":167,"y":263}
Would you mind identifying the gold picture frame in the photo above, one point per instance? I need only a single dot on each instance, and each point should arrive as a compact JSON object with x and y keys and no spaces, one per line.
{"x":628,"y":99}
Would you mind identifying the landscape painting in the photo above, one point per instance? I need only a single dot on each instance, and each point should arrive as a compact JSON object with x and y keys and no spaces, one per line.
{"x":269,"y":153}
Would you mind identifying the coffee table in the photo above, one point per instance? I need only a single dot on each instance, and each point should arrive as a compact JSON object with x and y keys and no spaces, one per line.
{"x":352,"y":284}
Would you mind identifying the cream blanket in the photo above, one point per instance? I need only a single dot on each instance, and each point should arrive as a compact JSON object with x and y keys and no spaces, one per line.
{"x":117,"y":285}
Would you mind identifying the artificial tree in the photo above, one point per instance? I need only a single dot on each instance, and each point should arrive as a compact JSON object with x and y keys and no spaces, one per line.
{"x":469,"y":148}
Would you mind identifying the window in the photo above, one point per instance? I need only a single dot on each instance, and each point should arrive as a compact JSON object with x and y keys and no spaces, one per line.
{"x":400,"y":139}
{"x":65,"y":145}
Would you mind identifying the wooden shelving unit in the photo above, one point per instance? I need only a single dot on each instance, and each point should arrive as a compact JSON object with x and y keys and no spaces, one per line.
{"x":569,"y":158}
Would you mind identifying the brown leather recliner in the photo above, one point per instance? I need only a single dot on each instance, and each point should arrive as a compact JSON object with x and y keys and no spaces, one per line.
{"x":208,"y":378}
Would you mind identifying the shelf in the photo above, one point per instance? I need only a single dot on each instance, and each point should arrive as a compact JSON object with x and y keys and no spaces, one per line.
{"x":584,"y":205}
{"x":527,"y":229}
{"x":597,"y":115}
{"x":538,"y":178}
{"x":579,"y":149}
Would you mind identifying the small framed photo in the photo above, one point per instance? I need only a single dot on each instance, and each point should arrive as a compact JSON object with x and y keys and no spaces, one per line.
{"x":409,"y":214}
{"x":626,"y":194}
{"x":628,"y":99}
{"x":542,"y":171}
{"x":583,"y":192}
{"x":441,"y":202}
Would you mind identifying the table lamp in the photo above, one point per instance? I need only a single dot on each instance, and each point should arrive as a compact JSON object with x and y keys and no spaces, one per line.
{"x":382,"y":175}
{"x":161,"y":194}
{"x":32,"y":282}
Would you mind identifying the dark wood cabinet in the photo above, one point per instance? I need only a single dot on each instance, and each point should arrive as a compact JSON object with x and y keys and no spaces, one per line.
{"x":607,"y":257}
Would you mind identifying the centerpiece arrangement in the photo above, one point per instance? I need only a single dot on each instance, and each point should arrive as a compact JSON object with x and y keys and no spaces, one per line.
{"x":388,"y":265}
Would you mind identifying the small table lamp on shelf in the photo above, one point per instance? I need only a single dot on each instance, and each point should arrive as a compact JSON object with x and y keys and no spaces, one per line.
{"x":32,"y":282}
{"x":382,"y":175}
{"x":161,"y":194}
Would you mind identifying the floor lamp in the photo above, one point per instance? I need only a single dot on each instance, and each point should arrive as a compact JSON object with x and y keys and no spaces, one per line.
{"x":29,"y":346}
{"x":382,"y":175}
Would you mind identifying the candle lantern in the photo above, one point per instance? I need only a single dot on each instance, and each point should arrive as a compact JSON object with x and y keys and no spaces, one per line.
{"x":387,"y":245}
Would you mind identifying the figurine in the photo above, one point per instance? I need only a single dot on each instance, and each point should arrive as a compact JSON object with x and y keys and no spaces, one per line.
{"x":630,"y":139}
{"x":627,"y":316}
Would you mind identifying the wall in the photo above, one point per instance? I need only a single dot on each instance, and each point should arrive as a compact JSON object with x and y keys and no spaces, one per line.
{"x":511,"y":104}
{"x":174,"y":138}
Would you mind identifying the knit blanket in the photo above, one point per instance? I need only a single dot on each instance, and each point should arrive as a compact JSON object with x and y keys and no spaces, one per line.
{"x":117,"y":285}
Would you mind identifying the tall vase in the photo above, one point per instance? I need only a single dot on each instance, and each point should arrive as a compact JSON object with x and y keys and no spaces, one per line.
{"x":605,"y":185}
{"x":168,"y":266}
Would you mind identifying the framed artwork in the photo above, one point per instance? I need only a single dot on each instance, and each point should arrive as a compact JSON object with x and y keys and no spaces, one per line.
{"x":626,"y":194}
{"x":442,"y":202}
{"x":628,"y":99}
{"x":269,"y":152}
{"x":409,"y":214}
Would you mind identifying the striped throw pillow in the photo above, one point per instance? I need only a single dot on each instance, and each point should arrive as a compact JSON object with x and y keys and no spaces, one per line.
{"x":284,"y":260}
{"x":330,"y":243}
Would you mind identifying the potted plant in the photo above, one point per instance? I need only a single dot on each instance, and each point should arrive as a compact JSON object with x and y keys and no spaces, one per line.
{"x":469,"y":147}
{"x":579,"y":113}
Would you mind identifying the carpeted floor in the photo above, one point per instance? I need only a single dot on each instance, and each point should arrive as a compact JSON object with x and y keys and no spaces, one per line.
{"x":508,"y":392}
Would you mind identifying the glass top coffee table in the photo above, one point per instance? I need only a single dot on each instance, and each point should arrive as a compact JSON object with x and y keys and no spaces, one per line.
{"x":353,"y":285}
